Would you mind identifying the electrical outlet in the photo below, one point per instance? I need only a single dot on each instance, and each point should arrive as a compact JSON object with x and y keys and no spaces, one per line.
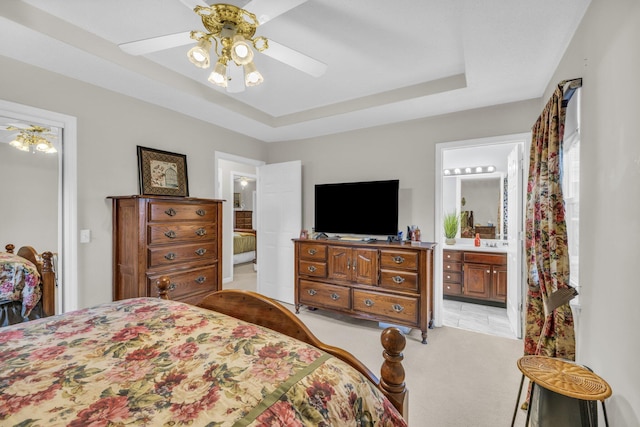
{"x":85,"y":236}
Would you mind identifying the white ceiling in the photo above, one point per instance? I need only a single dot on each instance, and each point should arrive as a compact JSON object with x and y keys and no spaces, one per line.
{"x":387,"y":61}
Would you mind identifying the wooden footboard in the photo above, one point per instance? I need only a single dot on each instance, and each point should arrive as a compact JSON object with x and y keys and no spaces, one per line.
{"x":258,"y":309}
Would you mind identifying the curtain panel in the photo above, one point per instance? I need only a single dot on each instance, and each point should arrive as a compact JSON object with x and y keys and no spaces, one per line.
{"x":548,"y":334}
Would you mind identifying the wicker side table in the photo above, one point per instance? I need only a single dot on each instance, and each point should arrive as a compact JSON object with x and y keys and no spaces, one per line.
{"x":562,"y":377}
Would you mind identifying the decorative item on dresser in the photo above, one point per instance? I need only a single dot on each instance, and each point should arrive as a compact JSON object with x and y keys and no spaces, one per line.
{"x":382,"y":281}
{"x":475,"y":276}
{"x":178,"y":237}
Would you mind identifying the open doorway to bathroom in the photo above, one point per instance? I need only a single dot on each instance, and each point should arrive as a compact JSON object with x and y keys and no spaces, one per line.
{"x":481,"y":288}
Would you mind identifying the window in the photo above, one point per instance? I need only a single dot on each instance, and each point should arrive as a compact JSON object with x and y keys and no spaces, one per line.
{"x":571,"y":185}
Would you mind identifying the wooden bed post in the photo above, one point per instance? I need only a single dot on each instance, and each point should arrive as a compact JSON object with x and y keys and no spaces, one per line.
{"x":9,"y":248}
{"x":164,"y":286}
{"x":392,"y":371}
{"x":48,"y":285}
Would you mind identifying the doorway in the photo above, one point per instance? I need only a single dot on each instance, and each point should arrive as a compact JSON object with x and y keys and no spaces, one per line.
{"x":484,"y":152}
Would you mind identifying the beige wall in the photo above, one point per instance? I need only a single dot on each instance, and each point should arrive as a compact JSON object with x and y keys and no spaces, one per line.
{"x":110,"y":126}
{"x":403,"y":151}
{"x":605,"y":52}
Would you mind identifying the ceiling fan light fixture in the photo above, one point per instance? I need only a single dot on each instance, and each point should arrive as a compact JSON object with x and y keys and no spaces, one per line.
{"x":252,"y":76}
{"x":199,"y":54}
{"x":218,"y":76}
{"x":20,"y":143}
{"x":241,"y":52}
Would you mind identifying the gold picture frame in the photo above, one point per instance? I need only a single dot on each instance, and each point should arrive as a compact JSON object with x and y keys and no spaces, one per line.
{"x":162,"y":173}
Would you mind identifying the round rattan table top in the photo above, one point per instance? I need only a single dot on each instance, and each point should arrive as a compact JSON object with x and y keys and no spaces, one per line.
{"x":564,"y":377}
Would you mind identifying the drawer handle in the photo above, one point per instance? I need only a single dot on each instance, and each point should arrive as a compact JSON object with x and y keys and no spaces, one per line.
{"x":311,"y":268}
{"x":397,"y":308}
{"x":335,"y":296}
{"x":488,"y":271}
{"x":201,"y":212}
{"x":312,"y":292}
{"x":172,"y":287}
{"x":201,"y":251}
{"x":312,"y":251}
{"x":170,"y":212}
{"x":398,"y":259}
{"x":201,"y":232}
{"x":170,"y":234}
{"x":200,"y":279}
{"x":348,"y":263}
{"x":368,"y":302}
{"x":170,"y":256}
{"x":398,"y":279}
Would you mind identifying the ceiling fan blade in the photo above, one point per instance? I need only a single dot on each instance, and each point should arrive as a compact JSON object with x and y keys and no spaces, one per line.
{"x":154,"y":44}
{"x":191,"y":4}
{"x":295,"y":59}
{"x":266,"y":10}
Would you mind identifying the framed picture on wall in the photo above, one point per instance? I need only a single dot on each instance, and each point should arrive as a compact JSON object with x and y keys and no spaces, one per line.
{"x":162,"y":173}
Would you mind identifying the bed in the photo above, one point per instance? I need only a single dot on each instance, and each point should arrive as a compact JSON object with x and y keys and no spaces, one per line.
{"x":27,"y":285}
{"x":152,"y":361}
{"x":244,"y":245}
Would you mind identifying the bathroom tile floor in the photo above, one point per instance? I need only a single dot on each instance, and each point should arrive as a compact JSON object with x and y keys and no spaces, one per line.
{"x":478,"y":318}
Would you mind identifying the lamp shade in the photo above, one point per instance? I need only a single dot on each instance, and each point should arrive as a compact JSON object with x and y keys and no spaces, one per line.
{"x":241,"y":52}
{"x":219,"y":75}
{"x":199,"y":54}
{"x":252,"y":76}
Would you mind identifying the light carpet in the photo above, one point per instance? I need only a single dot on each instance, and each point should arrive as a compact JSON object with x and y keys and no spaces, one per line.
{"x":460,"y":378}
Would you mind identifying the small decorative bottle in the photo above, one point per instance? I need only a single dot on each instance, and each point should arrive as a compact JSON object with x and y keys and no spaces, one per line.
{"x":477,"y":241}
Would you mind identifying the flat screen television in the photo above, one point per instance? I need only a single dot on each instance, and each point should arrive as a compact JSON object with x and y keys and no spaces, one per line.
{"x":368,"y":208}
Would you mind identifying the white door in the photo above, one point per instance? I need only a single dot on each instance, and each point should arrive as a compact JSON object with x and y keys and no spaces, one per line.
{"x":514,"y":238}
{"x":279,"y":203}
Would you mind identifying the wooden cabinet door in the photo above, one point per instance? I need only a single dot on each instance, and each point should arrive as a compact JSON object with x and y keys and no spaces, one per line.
{"x":477,"y":280}
{"x":339,"y":263}
{"x":499,"y":283}
{"x":365,"y":266}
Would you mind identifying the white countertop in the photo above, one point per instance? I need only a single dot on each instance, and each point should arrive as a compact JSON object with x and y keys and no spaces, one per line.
{"x":500,"y":248}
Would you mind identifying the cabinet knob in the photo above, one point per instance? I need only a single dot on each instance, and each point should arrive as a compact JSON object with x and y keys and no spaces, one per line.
{"x":170,"y":256}
{"x":201,"y":212}
{"x":448,"y":277}
{"x":201,"y":251}
{"x":398,"y":259}
{"x":368,"y":302}
{"x":312,"y":292}
{"x":448,"y":286}
{"x":170,"y":234}
{"x":170,"y":212}
{"x":398,"y":279}
{"x":312,"y":268}
{"x":201,"y":279}
{"x":448,"y":266}
{"x":397,"y":308}
{"x":312,"y":251}
{"x":488,"y":271}
{"x":335,"y":296}
{"x":201,"y":232}
{"x":448,"y":256}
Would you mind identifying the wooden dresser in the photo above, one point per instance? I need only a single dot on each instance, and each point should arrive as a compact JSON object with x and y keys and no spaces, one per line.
{"x":178,"y":237}
{"x":385,"y":282}
{"x":475,"y":276}
{"x":243,"y":219}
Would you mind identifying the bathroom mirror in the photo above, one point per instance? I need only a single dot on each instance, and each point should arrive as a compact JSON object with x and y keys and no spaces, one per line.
{"x":482,"y":206}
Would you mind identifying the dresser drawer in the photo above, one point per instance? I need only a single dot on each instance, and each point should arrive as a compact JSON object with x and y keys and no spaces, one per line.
{"x":322,"y":294}
{"x":485,"y":258}
{"x":312,"y":268}
{"x":173,"y":255}
{"x":452,"y":289}
{"x":451,"y":266}
{"x":167,"y":233}
{"x":311,"y":251}
{"x":186,"y":284}
{"x":451,"y":255}
{"x":407,"y":260}
{"x":173,"y":211}
{"x":405,"y":280}
{"x":404,"y":309}
{"x":451,"y":277}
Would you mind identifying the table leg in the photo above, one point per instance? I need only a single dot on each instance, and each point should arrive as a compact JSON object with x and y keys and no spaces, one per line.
{"x":533,"y":384}
{"x":515,"y":410}
{"x":604,"y":412}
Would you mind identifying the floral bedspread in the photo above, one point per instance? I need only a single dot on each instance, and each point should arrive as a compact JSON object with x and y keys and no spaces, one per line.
{"x":151,"y":362}
{"x":19,"y":281}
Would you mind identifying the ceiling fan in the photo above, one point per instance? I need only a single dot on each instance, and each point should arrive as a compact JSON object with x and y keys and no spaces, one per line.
{"x":31,"y":137}
{"x":232,"y":27}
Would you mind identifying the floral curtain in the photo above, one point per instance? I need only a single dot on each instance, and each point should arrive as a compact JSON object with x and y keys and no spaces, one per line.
{"x":546,"y":238}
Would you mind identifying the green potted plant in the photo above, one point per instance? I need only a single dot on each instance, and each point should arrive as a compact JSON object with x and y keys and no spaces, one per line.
{"x":451,"y":223}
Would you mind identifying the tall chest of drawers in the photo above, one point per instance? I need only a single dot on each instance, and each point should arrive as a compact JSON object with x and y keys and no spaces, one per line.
{"x":177,"y":237}
{"x":385,"y":282}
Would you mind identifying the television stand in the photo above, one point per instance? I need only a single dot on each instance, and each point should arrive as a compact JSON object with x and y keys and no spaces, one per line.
{"x":376,"y":280}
